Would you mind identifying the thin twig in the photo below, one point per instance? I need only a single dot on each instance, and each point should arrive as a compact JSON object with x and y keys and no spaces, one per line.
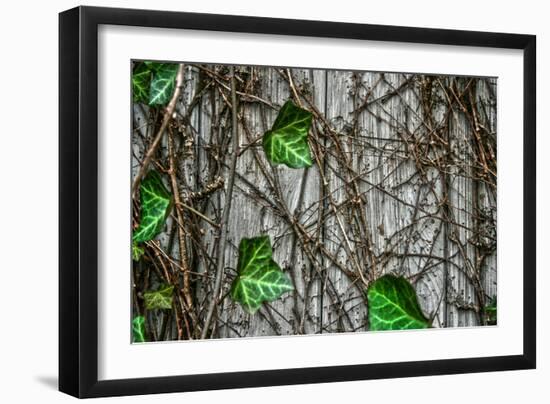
{"x":165,"y":120}
{"x":226,"y":210}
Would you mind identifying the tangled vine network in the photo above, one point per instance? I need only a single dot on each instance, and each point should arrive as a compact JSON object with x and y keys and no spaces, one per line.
{"x":391,"y":193}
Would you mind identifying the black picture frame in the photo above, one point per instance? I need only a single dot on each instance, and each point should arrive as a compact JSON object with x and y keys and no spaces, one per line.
{"x":78,"y":201}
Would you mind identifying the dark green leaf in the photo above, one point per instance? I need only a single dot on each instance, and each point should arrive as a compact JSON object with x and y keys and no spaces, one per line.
{"x":141,"y":80}
{"x":159,"y":299}
{"x":138,"y":329}
{"x":286,"y":142}
{"x":491,"y":312}
{"x":393,"y":305}
{"x":163,"y":83}
{"x":259,"y":277}
{"x":153,"y":66}
{"x":155,"y":206}
{"x":137,"y":251}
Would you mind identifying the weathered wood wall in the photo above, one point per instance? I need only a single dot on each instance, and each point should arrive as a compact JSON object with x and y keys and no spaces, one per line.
{"x":401,"y":184}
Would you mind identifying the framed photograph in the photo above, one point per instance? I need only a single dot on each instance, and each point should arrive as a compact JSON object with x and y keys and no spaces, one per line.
{"x":251,"y":201}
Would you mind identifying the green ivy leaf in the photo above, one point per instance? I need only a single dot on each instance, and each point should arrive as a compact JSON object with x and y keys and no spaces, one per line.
{"x":159,"y":299}
{"x":141,"y":80}
{"x":491,"y":312}
{"x":155,"y":206}
{"x":163,"y":83}
{"x":153,"y":66}
{"x":138,"y":329}
{"x":137,"y":251}
{"x":286,"y":142}
{"x":259,"y":277}
{"x":393,"y":305}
